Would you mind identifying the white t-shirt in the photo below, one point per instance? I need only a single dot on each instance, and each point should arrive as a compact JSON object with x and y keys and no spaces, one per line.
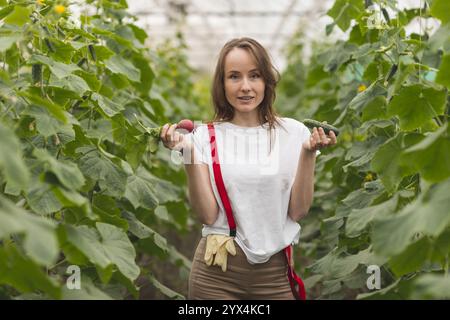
{"x":258,"y":184}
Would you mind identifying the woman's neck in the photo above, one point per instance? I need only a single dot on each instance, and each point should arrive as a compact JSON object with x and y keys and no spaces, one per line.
{"x":246,"y":120}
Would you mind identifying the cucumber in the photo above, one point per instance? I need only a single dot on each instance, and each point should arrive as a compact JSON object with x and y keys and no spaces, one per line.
{"x":92,"y":52}
{"x":36,"y":72}
{"x":49,"y":45}
{"x":325,"y":126}
{"x":81,"y":62}
{"x":392,"y":72}
{"x":60,"y":32}
{"x":386,"y":15}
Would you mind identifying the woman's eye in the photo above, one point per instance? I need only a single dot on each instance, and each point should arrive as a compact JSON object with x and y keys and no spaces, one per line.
{"x":233,"y":76}
{"x":255,"y":76}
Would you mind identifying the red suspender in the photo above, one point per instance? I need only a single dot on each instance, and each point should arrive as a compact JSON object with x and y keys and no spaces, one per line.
{"x":219,"y":181}
{"x":294,"y":280}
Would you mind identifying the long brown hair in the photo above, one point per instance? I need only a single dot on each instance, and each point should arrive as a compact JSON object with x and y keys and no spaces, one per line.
{"x":224,"y":111}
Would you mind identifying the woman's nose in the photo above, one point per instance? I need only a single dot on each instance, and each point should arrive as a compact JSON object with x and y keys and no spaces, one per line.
{"x":245,"y":85}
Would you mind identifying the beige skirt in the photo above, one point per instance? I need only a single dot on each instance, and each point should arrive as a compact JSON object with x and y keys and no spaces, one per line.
{"x":242,"y":280}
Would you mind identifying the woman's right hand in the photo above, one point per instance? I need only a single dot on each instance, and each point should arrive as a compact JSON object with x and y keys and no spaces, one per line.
{"x":172,"y":139}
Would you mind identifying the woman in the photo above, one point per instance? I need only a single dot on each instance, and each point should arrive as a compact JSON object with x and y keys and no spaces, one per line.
{"x":267,"y":165}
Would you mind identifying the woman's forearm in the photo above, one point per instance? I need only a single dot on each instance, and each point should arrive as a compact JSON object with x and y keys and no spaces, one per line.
{"x":201,"y":196}
{"x":303,"y":187}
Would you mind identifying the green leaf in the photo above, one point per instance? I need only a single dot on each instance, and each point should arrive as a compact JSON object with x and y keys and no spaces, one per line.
{"x":23,"y":274}
{"x":334,"y":266}
{"x":118,"y":277}
{"x":147,"y":74}
{"x":431,"y":286}
{"x":98,"y":129}
{"x":67,"y":172}
{"x":382,"y":294}
{"x":375,"y":109}
{"x":118,"y":64}
{"x":431,"y":156}
{"x":42,"y":200}
{"x":165,"y":190}
{"x":53,"y":108}
{"x":7,"y":9}
{"x":77,"y":44}
{"x":358,"y":219}
{"x":63,"y":51}
{"x":103,"y":53}
{"x":361,"y":100}
{"x":416,"y":104}
{"x":106,"y":208}
{"x":19,"y":16}
{"x":135,"y":147}
{"x":338,"y":55}
{"x":139,"y":33}
{"x":165,"y":290}
{"x":411,"y":259}
{"x":48,"y":125}
{"x":343,"y":11}
{"x":40,"y":239}
{"x":140,"y":193}
{"x":90,"y":78}
{"x":59,"y":69}
{"x":112,"y":179}
{"x":375,"y":70}
{"x":359,"y":198}
{"x":119,"y":81}
{"x":109,"y":107}
{"x":443,"y":76}
{"x":427,"y":214}
{"x":74,"y":199}
{"x":363,"y":152}
{"x":71,"y":82}
{"x":142,"y":231}
{"x":441,"y":247}
{"x":104,"y":246}
{"x":441,"y":10}
{"x":6,"y":41}
{"x":387,"y":160}
{"x":11,"y":162}
{"x":162,"y":213}
{"x":88,"y":291}
{"x":105,"y":274}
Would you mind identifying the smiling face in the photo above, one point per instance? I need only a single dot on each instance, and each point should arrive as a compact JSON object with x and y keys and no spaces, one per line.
{"x":243,"y":82}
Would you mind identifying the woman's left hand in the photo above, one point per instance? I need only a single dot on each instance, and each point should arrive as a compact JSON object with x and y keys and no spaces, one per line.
{"x":319,"y":140}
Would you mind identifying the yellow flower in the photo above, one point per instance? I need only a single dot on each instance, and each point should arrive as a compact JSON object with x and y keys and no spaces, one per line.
{"x":58,"y":216}
{"x":60,"y":9}
{"x":361,"y":88}
{"x":368,"y":177}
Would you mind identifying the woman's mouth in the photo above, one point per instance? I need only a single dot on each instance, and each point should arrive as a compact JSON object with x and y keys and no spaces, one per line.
{"x":246,"y":98}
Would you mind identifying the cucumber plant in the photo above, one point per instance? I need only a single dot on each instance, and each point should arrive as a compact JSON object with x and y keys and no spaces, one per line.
{"x":381,"y":194}
{"x":79,"y":178}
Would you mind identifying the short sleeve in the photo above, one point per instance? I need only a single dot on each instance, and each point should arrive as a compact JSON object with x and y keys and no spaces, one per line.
{"x":199,"y":140}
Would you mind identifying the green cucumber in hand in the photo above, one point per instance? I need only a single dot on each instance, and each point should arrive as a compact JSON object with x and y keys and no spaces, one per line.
{"x":154,"y":133}
{"x":325,"y":126}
